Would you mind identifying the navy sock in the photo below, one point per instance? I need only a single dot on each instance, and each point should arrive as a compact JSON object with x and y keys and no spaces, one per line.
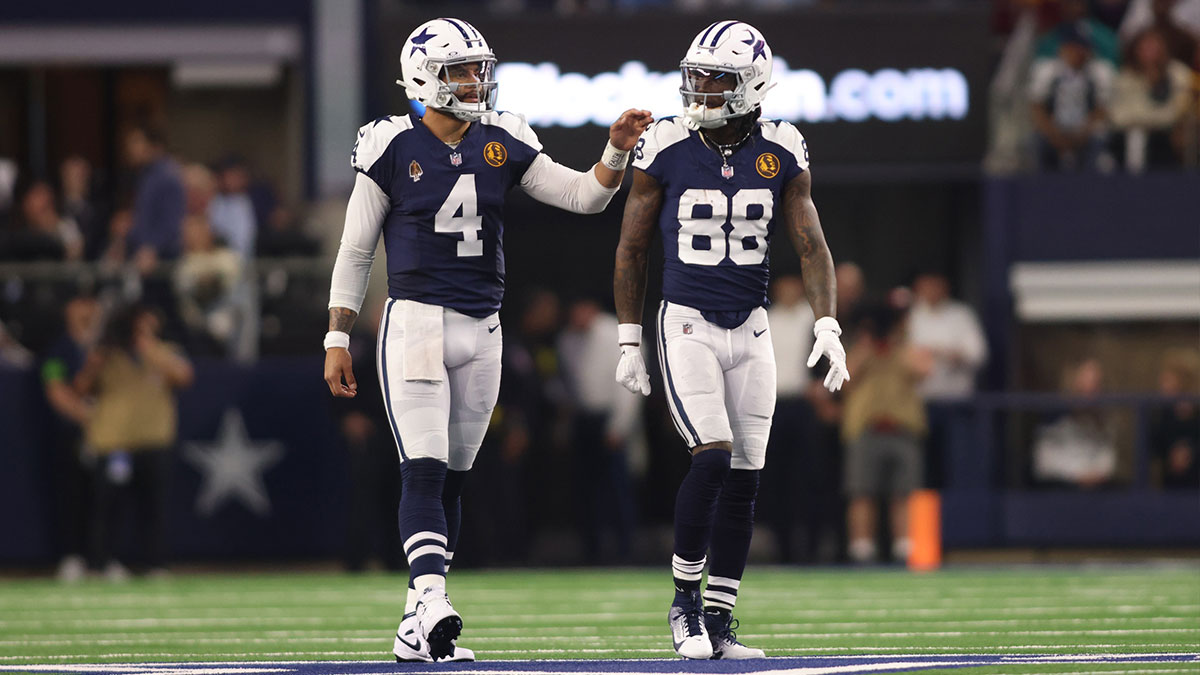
{"x":422,"y":517}
{"x":452,"y":505}
{"x":732,"y":529}
{"x":695,"y":507}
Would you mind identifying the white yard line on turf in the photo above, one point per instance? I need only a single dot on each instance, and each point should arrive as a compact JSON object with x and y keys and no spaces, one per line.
{"x":596,"y":639}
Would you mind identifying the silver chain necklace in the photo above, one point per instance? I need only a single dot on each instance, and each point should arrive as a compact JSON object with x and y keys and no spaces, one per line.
{"x":724,"y":150}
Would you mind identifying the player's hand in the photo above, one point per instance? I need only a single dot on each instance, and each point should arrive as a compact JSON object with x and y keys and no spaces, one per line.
{"x":338,"y":366}
{"x":828,"y":343}
{"x":631,"y":370}
{"x":624,"y":133}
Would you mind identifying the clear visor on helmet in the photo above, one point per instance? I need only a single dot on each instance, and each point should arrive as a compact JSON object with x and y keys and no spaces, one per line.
{"x":708,"y":86}
{"x":471,"y":82}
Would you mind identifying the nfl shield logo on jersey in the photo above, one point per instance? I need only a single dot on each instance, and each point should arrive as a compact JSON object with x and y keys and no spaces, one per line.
{"x":726,"y":171}
{"x":456,"y":159}
{"x":687,"y":329}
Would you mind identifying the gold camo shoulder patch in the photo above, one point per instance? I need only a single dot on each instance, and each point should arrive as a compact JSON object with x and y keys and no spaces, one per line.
{"x":767,"y":165}
{"x":495,"y":153}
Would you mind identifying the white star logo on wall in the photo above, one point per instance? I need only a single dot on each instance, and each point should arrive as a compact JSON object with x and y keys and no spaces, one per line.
{"x":232,"y":467}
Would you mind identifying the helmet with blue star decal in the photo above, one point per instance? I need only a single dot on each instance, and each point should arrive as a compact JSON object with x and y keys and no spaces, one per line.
{"x":447,"y":65}
{"x":726,"y":74}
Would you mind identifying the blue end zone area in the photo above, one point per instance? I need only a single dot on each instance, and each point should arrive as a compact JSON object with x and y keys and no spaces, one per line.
{"x":808,"y":665}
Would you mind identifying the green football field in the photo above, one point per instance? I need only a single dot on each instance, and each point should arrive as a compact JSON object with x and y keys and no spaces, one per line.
{"x":614,"y":614}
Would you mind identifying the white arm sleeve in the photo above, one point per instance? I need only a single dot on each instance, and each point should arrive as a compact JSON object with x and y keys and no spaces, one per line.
{"x":552,"y":183}
{"x":368,"y":207}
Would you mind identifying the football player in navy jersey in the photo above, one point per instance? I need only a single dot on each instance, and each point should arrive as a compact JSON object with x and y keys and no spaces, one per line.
{"x":434,"y":187}
{"x":715,"y":181}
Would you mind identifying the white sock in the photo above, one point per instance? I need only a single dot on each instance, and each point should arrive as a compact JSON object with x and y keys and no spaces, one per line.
{"x":427,"y":580}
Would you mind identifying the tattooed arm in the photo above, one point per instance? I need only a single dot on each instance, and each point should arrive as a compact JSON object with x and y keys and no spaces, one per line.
{"x":820,"y":285}
{"x":637,"y":230}
{"x":816,"y":262}
{"x":629,"y":278}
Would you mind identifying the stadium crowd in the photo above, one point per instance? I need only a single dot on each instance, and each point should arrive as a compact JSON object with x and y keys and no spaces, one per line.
{"x":1112,"y":85}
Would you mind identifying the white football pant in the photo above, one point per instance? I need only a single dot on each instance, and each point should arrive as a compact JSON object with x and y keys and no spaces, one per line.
{"x":443,"y":420}
{"x":720,"y":384}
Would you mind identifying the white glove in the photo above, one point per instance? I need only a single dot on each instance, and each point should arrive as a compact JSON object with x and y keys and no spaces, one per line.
{"x":631,"y":370}
{"x":827,"y":333}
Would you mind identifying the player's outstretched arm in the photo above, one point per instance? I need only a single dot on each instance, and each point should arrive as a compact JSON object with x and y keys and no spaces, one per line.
{"x":629,"y":278}
{"x":623,"y":135}
{"x":587,"y":191}
{"x":820,"y":284}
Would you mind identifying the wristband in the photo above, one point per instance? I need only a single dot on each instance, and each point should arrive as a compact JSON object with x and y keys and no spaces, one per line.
{"x":337,"y":338}
{"x":614,"y":159}
{"x":827,"y":323}
{"x":629,"y":334}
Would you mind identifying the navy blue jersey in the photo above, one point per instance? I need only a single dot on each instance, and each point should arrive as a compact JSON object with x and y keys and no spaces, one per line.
{"x":444,"y":232}
{"x":717,"y":222}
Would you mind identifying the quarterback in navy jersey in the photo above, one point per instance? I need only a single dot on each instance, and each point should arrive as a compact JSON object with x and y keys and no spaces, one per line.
{"x":433,"y":187}
{"x":716,"y":181}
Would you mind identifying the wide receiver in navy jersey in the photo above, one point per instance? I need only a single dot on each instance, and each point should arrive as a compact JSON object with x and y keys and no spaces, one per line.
{"x":434,"y":187}
{"x":715,"y":181}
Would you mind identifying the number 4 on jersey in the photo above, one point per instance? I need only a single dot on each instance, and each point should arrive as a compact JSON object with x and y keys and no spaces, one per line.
{"x":459,"y":214}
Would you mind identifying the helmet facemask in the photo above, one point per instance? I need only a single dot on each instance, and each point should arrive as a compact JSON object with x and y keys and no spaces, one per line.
{"x":712,"y":95}
{"x":467,"y":86}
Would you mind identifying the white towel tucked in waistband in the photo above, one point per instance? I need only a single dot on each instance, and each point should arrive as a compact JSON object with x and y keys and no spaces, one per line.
{"x":423,"y":359}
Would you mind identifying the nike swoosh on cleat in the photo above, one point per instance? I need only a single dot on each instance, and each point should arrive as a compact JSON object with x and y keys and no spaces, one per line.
{"x":415,"y":646}
{"x":492,"y":329}
{"x":759,"y":332}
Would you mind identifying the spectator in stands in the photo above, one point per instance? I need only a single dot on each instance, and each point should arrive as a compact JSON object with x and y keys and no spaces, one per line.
{"x":951,"y":339}
{"x":1150,"y":104}
{"x":61,"y":363}
{"x":801,"y":485}
{"x":374,"y":462}
{"x":1075,"y":14}
{"x":1177,"y":20}
{"x":199,"y":187}
{"x":605,"y":417}
{"x":882,"y":427}
{"x":826,"y":441}
{"x":132,"y":376}
{"x":949,"y":332}
{"x":159,"y":204}
{"x":43,"y":221}
{"x":206,"y":283}
{"x":79,"y":202}
{"x":1175,"y":431}
{"x":231,"y":211}
{"x":1070,"y":96}
{"x":1079,"y":449}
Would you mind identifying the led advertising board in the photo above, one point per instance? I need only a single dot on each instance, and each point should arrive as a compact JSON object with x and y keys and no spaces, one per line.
{"x":885,"y":87}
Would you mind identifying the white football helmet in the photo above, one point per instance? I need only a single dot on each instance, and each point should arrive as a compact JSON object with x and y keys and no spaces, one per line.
{"x":730,"y":49}
{"x":436,"y":45}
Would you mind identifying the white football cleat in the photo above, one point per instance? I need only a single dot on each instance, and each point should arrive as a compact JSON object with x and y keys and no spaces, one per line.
{"x":439,"y":624}
{"x":410,"y":647}
{"x":720,"y":625}
{"x":688,"y":633}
